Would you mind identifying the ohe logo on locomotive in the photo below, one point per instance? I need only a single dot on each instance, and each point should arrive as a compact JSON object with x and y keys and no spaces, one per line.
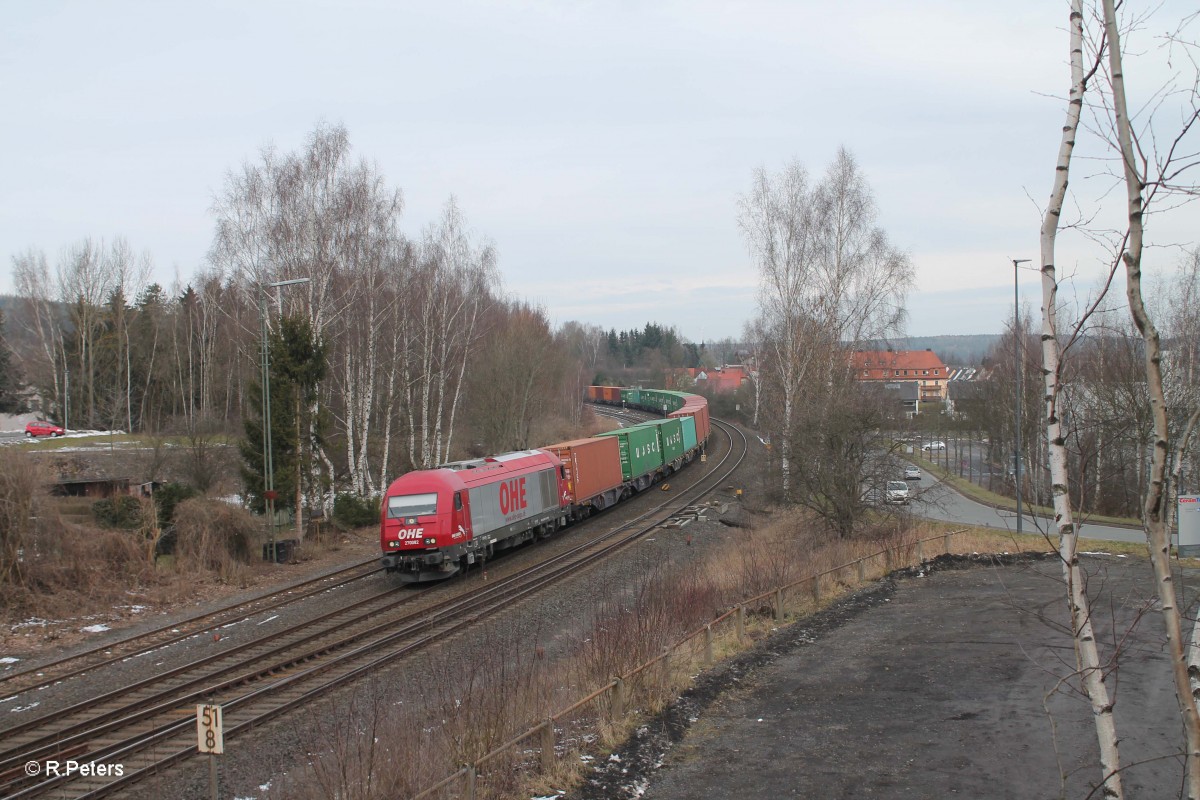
{"x":512,"y":496}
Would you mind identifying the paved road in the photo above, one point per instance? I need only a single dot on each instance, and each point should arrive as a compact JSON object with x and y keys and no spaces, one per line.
{"x":936,"y":500}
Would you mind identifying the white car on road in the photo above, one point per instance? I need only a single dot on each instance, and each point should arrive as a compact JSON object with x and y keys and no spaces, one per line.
{"x":897,"y":492}
{"x":934,"y":446}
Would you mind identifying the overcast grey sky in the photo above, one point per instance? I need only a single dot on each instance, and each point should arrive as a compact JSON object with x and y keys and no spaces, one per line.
{"x":601,"y":146}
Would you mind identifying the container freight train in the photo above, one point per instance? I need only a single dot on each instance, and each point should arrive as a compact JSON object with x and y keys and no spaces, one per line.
{"x":436,"y":522}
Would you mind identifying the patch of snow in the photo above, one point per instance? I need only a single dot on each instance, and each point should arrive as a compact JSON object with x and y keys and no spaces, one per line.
{"x":99,"y":628}
{"x":615,"y":757}
{"x":32,"y":622}
{"x":8,"y":660}
{"x":231,"y":624}
{"x":19,"y":709}
{"x":268,"y":619}
{"x":264,"y":787}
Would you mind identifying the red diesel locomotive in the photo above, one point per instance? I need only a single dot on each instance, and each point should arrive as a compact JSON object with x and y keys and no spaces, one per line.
{"x":436,"y":522}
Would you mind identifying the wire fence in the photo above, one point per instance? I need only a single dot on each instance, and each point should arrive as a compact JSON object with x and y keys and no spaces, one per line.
{"x":605,"y":708}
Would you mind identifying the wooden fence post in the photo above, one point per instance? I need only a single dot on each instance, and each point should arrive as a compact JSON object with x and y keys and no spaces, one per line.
{"x":862,"y":570}
{"x":946,"y":543}
{"x":741,"y":624}
{"x":470,"y":782}
{"x":778,"y":604}
{"x":708,"y":645}
{"x":547,"y":745}
{"x":920,"y":552}
{"x":816,"y":589}
{"x":618,"y":699}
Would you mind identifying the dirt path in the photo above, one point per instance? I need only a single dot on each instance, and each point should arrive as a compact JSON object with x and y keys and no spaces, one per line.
{"x":937,"y":684}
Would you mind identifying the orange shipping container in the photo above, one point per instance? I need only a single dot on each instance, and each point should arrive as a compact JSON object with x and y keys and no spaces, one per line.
{"x":594,"y":393}
{"x":612,"y":394}
{"x":593,"y":467}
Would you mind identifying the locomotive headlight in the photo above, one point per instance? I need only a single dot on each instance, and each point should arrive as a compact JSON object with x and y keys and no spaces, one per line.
{"x":430,"y":540}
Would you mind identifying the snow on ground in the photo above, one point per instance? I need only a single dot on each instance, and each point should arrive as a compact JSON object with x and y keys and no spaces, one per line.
{"x":19,"y":436}
{"x":95,"y":629}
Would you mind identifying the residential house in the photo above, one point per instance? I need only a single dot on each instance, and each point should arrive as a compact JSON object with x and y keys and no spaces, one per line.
{"x":893,"y":366}
{"x":720,"y":380}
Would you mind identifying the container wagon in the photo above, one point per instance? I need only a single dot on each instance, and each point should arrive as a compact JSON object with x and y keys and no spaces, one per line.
{"x":641,"y":455}
{"x":592,"y":472}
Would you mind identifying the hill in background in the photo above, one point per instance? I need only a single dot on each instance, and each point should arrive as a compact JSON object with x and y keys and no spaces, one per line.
{"x":955,"y":351}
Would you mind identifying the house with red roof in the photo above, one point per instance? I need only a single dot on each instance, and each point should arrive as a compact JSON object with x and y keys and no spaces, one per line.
{"x":923,"y":367}
{"x":719,"y":380}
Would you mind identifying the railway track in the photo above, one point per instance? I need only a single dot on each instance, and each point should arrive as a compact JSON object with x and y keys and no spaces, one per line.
{"x":149,"y":726}
{"x":51,"y":672}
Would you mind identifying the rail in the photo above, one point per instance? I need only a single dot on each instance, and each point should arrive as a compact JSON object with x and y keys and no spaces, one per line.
{"x":543,"y":737}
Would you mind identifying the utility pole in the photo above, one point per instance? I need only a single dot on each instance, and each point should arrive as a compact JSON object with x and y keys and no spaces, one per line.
{"x":1017,"y":359}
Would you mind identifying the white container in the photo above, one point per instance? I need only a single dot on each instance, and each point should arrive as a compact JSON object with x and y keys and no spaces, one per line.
{"x":1189,"y":525}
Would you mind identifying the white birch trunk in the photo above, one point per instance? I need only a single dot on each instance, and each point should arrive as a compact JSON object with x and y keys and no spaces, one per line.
{"x":1155,"y":516}
{"x":1086,"y":651}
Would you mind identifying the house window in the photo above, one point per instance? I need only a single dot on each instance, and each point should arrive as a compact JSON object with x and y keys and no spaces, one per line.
{"x":897,"y":373}
{"x":924,"y":372}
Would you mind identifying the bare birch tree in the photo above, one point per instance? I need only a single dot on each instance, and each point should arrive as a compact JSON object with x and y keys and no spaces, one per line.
{"x":1151,"y":173}
{"x":828,"y":278}
{"x":1091,"y":669}
{"x":31,"y":277}
{"x":456,"y":278}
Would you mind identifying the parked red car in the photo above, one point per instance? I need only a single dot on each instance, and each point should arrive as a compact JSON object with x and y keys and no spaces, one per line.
{"x":42,"y":428}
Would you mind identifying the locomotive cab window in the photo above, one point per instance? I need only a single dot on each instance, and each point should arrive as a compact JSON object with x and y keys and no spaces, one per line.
{"x":412,"y":505}
{"x":458,"y":501}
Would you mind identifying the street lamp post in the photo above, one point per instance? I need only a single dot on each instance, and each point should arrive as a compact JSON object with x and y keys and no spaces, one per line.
{"x":1017,"y":361}
{"x":268,"y":455}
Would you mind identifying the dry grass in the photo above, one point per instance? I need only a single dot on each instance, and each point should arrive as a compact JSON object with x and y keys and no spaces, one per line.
{"x":56,"y":564}
{"x":215,"y":538}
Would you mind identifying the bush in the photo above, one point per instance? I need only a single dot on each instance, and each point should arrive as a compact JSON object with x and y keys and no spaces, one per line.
{"x":120,"y":511}
{"x":352,"y":511}
{"x":214,"y":536}
{"x":170,"y":495}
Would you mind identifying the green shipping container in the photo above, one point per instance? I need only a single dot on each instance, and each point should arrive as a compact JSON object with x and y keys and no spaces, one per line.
{"x":631,"y":396}
{"x":640,"y":451}
{"x":661,"y":400}
{"x":670,"y":437}
{"x":689,"y":433}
